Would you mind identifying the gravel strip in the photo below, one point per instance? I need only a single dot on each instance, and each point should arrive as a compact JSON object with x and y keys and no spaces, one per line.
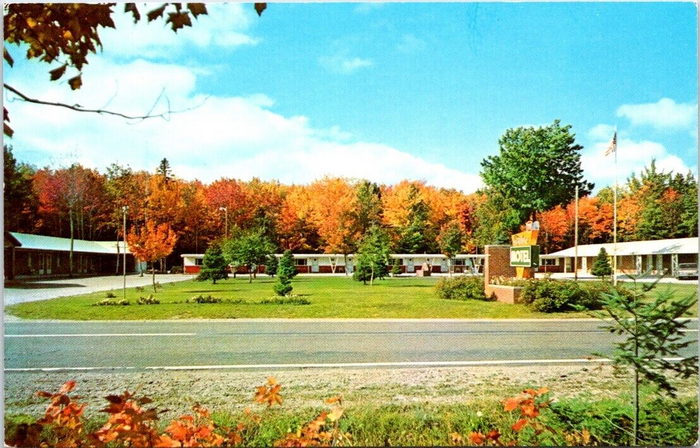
{"x":231,"y":391}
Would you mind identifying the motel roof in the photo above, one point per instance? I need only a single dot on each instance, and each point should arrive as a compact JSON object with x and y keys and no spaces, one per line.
{"x":43,"y":242}
{"x":656,"y":247}
{"x":339,"y":256}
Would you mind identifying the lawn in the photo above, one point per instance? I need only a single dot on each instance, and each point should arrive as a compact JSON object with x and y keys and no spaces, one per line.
{"x":329,"y":297}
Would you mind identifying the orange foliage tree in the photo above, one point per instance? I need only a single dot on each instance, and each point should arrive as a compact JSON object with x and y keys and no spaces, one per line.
{"x":332,"y":202}
{"x":151,"y":243}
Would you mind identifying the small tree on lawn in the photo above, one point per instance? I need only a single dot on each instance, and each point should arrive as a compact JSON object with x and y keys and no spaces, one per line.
{"x":450,"y":241}
{"x":372,"y":257}
{"x":249,"y":249}
{"x":271,"y":265}
{"x":286,"y":265}
{"x":151,"y":243}
{"x":213,"y":265}
{"x":285,"y":271}
{"x":653,"y":331}
{"x":601,"y":265}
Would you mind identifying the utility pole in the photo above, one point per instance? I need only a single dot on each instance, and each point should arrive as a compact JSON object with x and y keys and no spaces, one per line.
{"x":124,"y":209}
{"x":225,"y":210}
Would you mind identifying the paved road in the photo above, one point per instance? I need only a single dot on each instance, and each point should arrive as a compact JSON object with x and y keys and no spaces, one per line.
{"x":50,"y":289}
{"x":266,"y":343}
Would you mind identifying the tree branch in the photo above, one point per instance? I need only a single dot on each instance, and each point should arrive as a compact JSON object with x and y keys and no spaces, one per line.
{"x":79,"y":108}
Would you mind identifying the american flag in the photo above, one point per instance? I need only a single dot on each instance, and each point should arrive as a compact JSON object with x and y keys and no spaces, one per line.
{"x":612,"y":147}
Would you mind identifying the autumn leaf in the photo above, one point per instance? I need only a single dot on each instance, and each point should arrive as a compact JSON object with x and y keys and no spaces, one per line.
{"x":476,"y":438}
{"x":529,"y":410}
{"x":338,"y":399}
{"x":178,"y":20}
{"x":197,"y":9}
{"x":260,"y":7}
{"x":75,"y":82}
{"x":519,"y":424}
{"x":131,"y":7}
{"x":156,"y":13}
{"x":511,"y":403}
{"x":7,"y":57}
{"x":67,"y":387}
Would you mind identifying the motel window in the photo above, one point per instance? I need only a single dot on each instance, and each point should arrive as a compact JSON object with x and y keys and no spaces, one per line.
{"x":300,"y":261}
{"x":460,"y":262}
{"x":198,"y":261}
{"x":549,"y":261}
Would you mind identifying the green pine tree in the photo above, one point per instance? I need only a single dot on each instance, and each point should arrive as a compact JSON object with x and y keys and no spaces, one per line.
{"x":286,"y":270}
{"x":213,"y":265}
{"x":601,"y":264}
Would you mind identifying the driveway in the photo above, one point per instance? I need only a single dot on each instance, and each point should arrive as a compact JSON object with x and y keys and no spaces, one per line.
{"x":31,"y":291}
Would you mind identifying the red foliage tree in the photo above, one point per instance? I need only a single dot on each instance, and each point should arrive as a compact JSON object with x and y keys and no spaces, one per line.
{"x":151,"y":243}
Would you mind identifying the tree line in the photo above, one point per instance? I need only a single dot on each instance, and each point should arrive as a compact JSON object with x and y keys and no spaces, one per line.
{"x":332,"y":214}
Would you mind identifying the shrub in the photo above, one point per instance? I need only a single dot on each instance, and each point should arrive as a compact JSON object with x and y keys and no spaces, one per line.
{"x":111,"y":302}
{"x":202,"y":299}
{"x":110,"y":295}
{"x":176,"y":270}
{"x":461,"y":288}
{"x":150,"y":300}
{"x":283,"y":286}
{"x":549,"y":296}
{"x":285,"y":301}
{"x":139,"y":288}
{"x":508,"y":281}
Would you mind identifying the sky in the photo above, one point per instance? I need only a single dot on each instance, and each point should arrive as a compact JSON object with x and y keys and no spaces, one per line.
{"x":383,"y":91}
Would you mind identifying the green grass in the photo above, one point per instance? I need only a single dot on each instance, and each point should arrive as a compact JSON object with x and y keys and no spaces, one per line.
{"x":329,"y":297}
{"x":665,"y":422}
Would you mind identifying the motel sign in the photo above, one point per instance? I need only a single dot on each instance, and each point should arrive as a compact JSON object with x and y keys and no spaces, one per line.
{"x":525,"y":256}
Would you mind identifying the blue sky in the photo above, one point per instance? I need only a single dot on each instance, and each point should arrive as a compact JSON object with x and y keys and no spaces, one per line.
{"x":383,"y":91}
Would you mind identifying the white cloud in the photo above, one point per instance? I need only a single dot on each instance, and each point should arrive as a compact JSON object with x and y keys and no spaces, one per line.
{"x":601,"y":132}
{"x":225,"y":25}
{"x":221,"y":136}
{"x":367,"y":7}
{"x":632,"y":157}
{"x":664,"y":114}
{"x":343,"y":64}
{"x":410,"y":44}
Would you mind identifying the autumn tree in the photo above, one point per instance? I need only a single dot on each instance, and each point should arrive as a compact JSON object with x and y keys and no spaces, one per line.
{"x":450,"y":241}
{"x":537,"y":167}
{"x":332,"y":204}
{"x":151,"y":242}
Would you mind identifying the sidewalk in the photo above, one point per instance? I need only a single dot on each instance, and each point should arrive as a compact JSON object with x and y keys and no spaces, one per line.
{"x":31,"y":291}
{"x":620,"y":278}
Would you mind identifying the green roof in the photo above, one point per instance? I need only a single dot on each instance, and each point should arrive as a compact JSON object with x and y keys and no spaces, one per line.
{"x":42,"y":242}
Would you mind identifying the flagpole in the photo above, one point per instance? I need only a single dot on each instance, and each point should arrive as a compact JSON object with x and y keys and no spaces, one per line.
{"x":576,"y":236}
{"x":615,"y":215}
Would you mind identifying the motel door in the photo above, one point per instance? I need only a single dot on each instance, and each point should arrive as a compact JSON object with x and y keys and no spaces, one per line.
{"x":314,"y":265}
{"x":409,"y":265}
{"x":443,"y":265}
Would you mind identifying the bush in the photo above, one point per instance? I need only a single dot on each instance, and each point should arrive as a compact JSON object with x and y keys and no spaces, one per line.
{"x":150,"y":300}
{"x":110,"y":295}
{"x":283,"y":286}
{"x":139,"y":288}
{"x":285,"y":301}
{"x":111,"y":302}
{"x":549,"y":296}
{"x":202,"y":299}
{"x":176,"y":270}
{"x":461,"y":288}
